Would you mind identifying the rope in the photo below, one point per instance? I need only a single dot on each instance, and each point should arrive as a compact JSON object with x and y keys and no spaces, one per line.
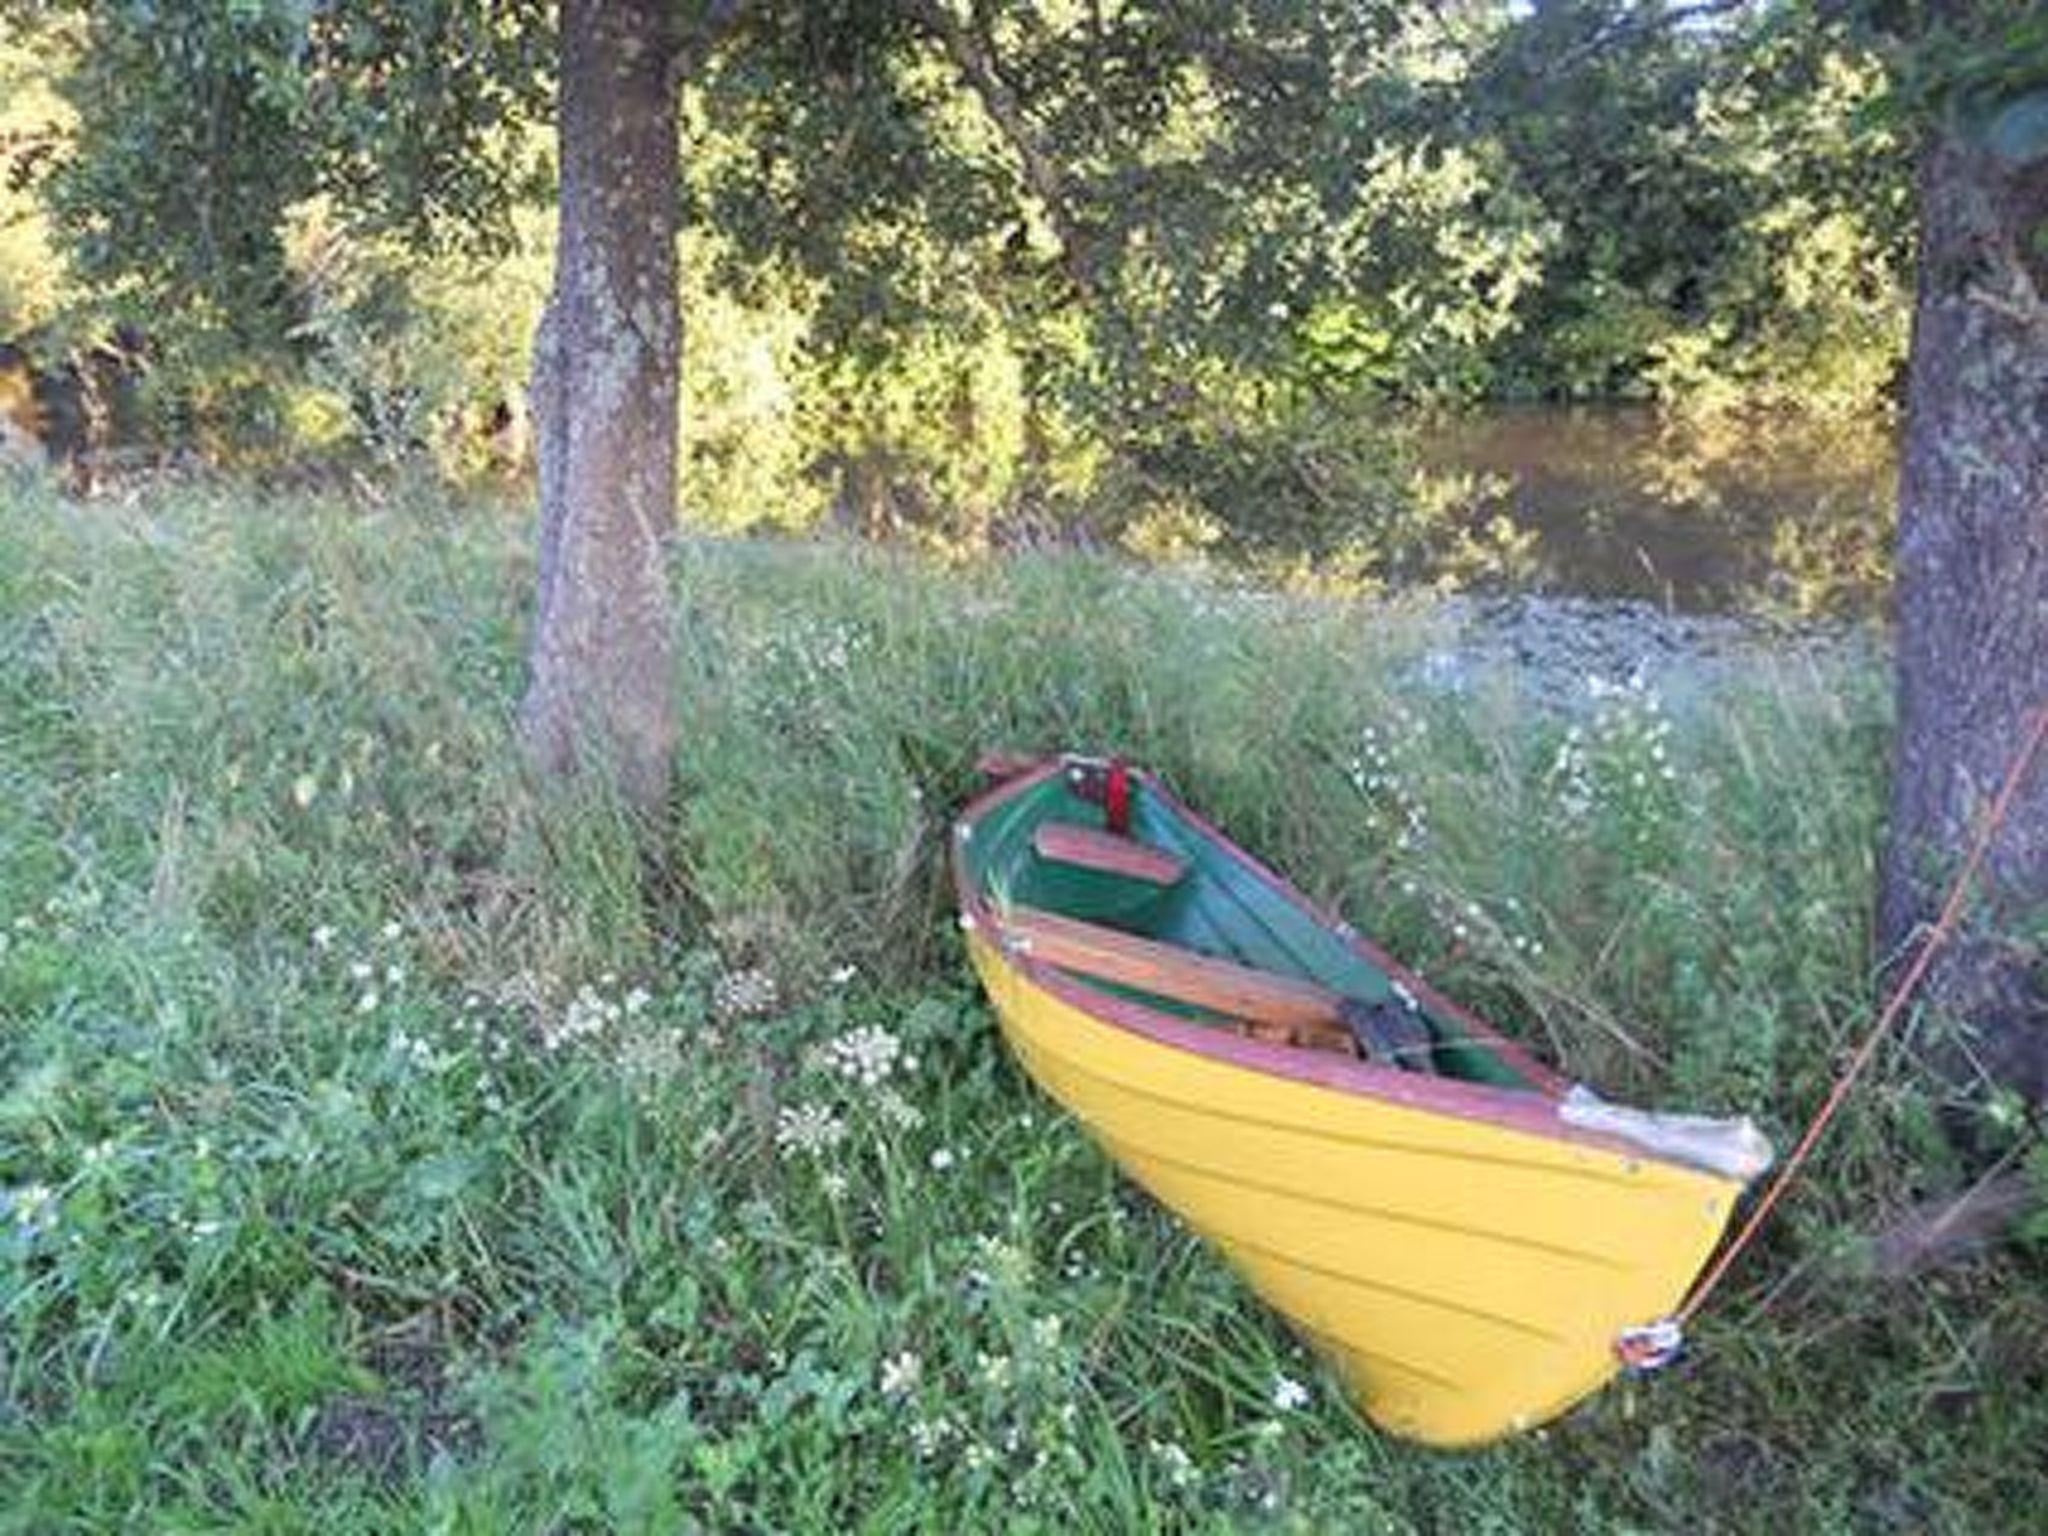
{"x":1938,"y":935}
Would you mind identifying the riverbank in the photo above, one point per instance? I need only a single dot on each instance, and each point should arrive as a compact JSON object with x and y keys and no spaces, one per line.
{"x":1562,"y":653}
{"x":389,"y":1144}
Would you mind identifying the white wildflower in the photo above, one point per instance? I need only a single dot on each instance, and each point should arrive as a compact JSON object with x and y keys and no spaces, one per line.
{"x":897,"y":1110}
{"x":930,"y":1436}
{"x":810,"y":1129}
{"x":744,"y":994}
{"x":1289,"y":1394}
{"x":901,"y":1374}
{"x":30,"y":1203}
{"x":867,"y":1056}
{"x":586,"y":1017}
{"x":1177,"y":1464}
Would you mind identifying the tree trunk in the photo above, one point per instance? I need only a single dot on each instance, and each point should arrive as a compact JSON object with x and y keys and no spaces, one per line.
{"x":601,"y":697}
{"x":1972,"y":593}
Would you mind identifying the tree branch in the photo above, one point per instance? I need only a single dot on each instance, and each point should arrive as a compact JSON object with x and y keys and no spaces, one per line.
{"x":971,"y":51}
{"x":1641,"y":23}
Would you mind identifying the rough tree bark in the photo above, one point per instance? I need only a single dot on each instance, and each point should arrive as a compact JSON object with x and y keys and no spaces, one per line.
{"x":601,"y":694}
{"x":1972,"y":592}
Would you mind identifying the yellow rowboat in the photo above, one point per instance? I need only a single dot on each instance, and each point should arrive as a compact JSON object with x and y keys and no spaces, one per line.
{"x":1471,"y":1241}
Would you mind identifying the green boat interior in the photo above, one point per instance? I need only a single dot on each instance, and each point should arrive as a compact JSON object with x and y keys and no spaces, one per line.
{"x":1047,"y":859}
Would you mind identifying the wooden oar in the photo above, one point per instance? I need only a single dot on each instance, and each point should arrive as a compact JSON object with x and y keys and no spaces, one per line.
{"x":1283,"y":1009}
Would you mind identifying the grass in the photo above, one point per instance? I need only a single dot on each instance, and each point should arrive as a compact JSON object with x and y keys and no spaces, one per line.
{"x":389,"y":1144}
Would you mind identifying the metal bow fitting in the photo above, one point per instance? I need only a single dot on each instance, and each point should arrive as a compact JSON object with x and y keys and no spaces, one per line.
{"x":1650,"y":1347}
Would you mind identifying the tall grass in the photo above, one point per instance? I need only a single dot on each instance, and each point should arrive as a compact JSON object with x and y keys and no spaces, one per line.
{"x":388,"y":1142}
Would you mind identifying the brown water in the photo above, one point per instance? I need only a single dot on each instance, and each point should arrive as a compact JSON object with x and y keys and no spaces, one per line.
{"x":1712,"y":517}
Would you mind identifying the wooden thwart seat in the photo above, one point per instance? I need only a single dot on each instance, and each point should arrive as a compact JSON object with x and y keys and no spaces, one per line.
{"x":1278,"y":1008}
{"x":1109,"y":852}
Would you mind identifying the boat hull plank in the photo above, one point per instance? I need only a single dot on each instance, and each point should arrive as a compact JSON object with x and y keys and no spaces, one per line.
{"x":1463,"y":1280}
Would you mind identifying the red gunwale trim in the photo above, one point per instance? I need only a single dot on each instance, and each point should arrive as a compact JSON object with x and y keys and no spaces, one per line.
{"x":1532,"y":1110}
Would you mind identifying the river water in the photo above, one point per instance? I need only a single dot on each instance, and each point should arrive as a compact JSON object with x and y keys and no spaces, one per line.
{"x":1714,"y":517}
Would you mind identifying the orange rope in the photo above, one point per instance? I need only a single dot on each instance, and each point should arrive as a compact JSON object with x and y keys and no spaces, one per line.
{"x":1944,"y":927}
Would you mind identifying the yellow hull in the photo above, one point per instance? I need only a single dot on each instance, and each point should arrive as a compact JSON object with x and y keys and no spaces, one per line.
{"x":1466,"y":1278}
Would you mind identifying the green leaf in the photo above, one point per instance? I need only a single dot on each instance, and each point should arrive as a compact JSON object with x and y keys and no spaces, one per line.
{"x":443,"y":1176}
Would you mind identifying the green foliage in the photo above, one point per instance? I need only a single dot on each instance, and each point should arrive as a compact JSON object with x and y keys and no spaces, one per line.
{"x":32,"y":123}
{"x":949,"y":264}
{"x":407,"y":356}
{"x":180,"y":190}
{"x":1963,"y":62}
{"x":749,"y":437}
{"x":1438,"y":253}
{"x":196,"y":137}
{"x":199,"y":127}
{"x":1731,"y":228}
